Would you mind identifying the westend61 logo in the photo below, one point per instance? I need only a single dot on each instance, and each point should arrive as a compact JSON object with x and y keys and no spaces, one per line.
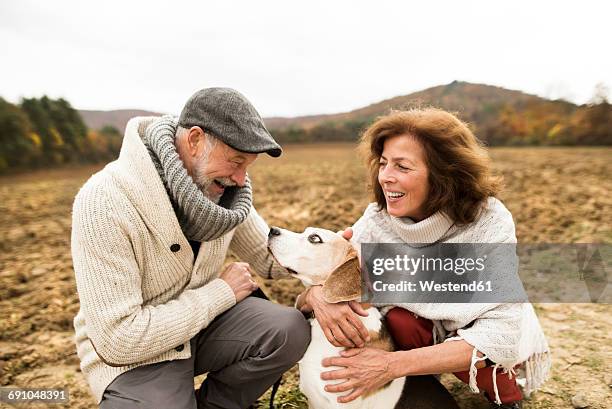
{"x":484,"y":273}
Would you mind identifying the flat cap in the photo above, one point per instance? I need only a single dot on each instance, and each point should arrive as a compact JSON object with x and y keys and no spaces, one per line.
{"x":230,"y":117}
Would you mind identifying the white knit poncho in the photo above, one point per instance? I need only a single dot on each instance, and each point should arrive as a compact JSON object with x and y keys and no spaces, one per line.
{"x":507,"y":334}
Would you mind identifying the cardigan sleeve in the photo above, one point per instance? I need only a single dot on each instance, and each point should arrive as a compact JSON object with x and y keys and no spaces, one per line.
{"x":250,"y":244}
{"x":121,"y":328}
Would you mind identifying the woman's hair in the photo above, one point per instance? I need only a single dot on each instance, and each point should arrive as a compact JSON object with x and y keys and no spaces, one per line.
{"x":459,"y":177}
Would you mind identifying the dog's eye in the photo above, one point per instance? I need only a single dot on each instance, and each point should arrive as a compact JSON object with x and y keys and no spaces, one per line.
{"x":315,"y":238}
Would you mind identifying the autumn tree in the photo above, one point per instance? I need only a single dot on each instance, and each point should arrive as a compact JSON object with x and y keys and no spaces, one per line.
{"x":19,"y":144}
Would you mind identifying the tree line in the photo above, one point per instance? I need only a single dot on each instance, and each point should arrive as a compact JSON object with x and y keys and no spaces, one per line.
{"x":45,"y":132}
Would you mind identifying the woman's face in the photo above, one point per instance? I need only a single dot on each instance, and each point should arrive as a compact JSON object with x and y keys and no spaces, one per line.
{"x":403,"y":177}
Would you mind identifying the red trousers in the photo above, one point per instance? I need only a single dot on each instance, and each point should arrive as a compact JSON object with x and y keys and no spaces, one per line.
{"x":411,"y":332}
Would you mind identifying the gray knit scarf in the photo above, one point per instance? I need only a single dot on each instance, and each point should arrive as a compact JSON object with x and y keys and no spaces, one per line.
{"x":200,"y":218}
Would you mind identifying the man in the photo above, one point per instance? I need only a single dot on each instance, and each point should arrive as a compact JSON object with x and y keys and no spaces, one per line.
{"x":150,"y":235}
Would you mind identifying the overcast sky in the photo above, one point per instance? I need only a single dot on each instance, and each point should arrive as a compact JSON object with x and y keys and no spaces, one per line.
{"x":296,"y":58}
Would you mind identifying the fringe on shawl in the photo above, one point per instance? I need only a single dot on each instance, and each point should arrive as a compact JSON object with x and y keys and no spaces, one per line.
{"x":537,"y":369}
{"x":474,"y":370}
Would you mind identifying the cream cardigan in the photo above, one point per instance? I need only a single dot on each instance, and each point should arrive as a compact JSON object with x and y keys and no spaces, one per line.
{"x":142,"y":296}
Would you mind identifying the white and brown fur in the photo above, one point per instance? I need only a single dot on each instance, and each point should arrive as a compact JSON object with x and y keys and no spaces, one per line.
{"x":330,"y":260}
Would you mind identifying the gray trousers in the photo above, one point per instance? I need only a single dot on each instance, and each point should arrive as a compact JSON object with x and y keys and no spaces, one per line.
{"x":244,"y":350}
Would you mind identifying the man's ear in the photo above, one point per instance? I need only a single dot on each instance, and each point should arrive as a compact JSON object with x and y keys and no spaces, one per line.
{"x":344,"y":283}
{"x":194,"y":136}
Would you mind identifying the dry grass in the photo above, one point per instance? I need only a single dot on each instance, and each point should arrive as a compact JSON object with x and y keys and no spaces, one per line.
{"x":556,"y":195}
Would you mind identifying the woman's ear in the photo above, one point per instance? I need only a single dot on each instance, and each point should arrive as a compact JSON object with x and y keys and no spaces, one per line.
{"x":344,"y":283}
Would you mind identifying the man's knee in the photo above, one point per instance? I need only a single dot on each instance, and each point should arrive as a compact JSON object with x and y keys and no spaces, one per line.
{"x":291,"y":334}
{"x":155,"y":386}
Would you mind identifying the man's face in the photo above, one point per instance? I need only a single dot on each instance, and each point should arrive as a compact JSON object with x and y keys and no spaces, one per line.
{"x":215,"y":170}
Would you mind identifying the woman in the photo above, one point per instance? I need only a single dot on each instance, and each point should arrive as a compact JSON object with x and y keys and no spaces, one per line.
{"x":432,"y":183}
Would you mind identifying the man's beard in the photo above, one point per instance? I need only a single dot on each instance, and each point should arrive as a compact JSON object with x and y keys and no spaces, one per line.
{"x":204,"y":182}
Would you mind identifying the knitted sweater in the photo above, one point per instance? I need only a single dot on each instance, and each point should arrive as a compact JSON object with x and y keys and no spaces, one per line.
{"x":508,"y":334}
{"x":142,"y":295}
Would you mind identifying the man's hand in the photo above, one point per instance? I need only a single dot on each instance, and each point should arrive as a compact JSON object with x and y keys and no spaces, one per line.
{"x":238,"y":276}
{"x":339,"y":321}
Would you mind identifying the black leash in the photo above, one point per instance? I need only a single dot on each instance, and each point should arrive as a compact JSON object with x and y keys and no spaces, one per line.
{"x":260,"y":294}
{"x":274,"y":390}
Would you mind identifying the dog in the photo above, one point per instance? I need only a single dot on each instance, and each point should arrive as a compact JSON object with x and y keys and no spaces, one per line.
{"x":322,"y":257}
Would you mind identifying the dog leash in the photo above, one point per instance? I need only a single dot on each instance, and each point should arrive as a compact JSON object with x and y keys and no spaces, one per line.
{"x":260,"y":294}
{"x":274,"y":390}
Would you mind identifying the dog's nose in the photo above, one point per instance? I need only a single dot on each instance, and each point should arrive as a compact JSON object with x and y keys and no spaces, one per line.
{"x":274,"y":232}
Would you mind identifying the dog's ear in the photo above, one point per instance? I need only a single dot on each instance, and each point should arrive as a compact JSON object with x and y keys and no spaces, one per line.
{"x":344,"y":283}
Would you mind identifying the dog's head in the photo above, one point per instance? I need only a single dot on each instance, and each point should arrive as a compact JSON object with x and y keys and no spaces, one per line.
{"x":319,"y":256}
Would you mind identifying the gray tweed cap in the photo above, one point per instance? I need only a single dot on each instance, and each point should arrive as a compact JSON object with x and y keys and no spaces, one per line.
{"x":229,"y":116}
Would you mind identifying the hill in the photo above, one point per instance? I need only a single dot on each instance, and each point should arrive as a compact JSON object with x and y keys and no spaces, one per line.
{"x":498,"y":116}
{"x":471,"y":101}
{"x":116,"y":118}
{"x":466,"y":98}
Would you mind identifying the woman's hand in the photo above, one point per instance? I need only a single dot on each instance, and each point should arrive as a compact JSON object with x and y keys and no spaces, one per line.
{"x":367,"y":369}
{"x":340,"y":321}
{"x":364,"y":370}
{"x":347,"y":233}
